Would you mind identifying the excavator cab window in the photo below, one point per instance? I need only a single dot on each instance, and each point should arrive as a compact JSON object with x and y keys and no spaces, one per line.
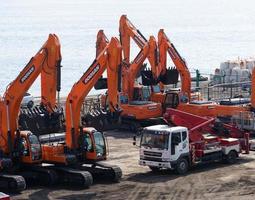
{"x":99,"y":143}
{"x":171,"y":100}
{"x":146,"y":93}
{"x":142,"y":93}
{"x":155,"y":88}
{"x":137,"y":94}
{"x":86,"y":142}
{"x":123,"y":99}
{"x":35,"y":147}
{"x":24,"y":147}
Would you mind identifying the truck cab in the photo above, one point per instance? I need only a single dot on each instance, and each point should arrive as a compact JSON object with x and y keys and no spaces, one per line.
{"x":162,"y":146}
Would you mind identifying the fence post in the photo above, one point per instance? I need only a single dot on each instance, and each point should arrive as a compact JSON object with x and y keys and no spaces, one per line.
{"x":208,"y":91}
{"x":231,"y":90}
{"x":197,"y":78}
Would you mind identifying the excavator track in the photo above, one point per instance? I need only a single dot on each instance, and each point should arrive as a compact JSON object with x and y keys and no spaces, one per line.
{"x":14,"y":183}
{"x":73,"y":177}
{"x":39,"y":175}
{"x":103,"y":172}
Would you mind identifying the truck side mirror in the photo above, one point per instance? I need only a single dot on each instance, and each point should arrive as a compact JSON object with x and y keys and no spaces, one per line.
{"x":134,"y":140}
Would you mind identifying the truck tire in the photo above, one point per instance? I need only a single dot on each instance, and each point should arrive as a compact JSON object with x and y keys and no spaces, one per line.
{"x":231,"y":157}
{"x":182,"y":166}
{"x":154,"y":169}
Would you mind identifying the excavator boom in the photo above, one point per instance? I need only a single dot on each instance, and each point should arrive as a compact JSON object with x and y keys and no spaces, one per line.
{"x":148,"y":50}
{"x":111,"y":55}
{"x":165,"y":46}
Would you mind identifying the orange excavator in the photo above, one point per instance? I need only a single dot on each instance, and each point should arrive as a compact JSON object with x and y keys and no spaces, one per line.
{"x":21,"y":151}
{"x":176,"y":99}
{"x":148,"y":49}
{"x":83,"y":147}
{"x":166,"y":47}
{"x":157,"y":74}
{"x":181,"y":100}
{"x":134,"y":112}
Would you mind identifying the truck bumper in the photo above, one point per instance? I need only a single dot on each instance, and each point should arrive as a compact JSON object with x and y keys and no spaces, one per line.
{"x":155,"y":164}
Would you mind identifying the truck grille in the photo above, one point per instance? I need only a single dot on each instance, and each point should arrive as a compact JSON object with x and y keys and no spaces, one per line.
{"x":152,"y":159}
{"x":149,"y":153}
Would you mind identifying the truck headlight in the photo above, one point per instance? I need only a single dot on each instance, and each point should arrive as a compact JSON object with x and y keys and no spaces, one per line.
{"x":165,"y":159}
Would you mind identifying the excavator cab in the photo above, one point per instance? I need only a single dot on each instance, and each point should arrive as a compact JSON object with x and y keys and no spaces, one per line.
{"x":174,"y":98}
{"x":141,"y":93}
{"x":30,"y":148}
{"x":171,"y":100}
{"x":93,"y":144}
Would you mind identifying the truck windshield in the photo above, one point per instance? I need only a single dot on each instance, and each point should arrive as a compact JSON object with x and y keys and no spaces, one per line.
{"x":155,"y":139}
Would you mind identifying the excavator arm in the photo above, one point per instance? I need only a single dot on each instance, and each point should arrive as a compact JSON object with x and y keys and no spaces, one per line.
{"x":47,"y":58}
{"x":148,"y":50}
{"x":111,"y":57}
{"x":136,"y":65}
{"x":166,"y":46}
{"x":101,"y":42}
{"x":128,"y":30}
{"x":50,"y":80}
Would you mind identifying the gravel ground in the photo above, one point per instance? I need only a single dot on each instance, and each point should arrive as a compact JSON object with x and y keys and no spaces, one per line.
{"x":214,"y":181}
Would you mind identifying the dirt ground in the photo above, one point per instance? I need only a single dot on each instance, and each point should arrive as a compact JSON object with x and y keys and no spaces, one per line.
{"x":214,"y":181}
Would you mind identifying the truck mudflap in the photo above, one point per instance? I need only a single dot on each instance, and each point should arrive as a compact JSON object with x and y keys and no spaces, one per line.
{"x":155,"y":164}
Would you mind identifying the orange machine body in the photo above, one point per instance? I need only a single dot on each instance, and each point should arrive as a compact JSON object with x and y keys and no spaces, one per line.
{"x":46,"y":60}
{"x":109,"y":59}
{"x":139,"y":109}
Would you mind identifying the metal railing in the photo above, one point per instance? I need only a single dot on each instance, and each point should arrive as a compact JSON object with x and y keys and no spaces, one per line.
{"x":226,"y":90}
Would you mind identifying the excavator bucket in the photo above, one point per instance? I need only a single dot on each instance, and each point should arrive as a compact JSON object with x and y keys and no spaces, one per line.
{"x":101,"y":120}
{"x":147,"y":78}
{"x":39,"y":121}
{"x":101,"y":84}
{"x":170,"y":77}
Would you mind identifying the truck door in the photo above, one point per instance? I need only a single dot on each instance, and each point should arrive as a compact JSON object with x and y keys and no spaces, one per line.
{"x":185,"y":142}
{"x":176,"y":145}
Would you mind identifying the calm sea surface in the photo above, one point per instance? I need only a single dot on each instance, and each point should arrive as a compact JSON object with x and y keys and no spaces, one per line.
{"x":205,"y":32}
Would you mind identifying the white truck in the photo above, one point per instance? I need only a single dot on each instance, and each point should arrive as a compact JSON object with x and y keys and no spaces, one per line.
{"x":165,"y":147}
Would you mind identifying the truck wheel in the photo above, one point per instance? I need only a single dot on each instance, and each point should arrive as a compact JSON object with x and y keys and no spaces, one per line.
{"x":231,"y":157}
{"x":182,"y":166}
{"x":154,"y":169}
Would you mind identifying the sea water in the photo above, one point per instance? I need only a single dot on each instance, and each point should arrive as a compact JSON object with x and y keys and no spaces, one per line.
{"x":205,"y":32}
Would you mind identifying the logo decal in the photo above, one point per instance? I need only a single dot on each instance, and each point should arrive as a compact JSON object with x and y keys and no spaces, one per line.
{"x":91,"y":74}
{"x":172,"y":54}
{"x":27,"y":74}
{"x":137,"y":40}
{"x":152,"y":107}
{"x":138,"y":58}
